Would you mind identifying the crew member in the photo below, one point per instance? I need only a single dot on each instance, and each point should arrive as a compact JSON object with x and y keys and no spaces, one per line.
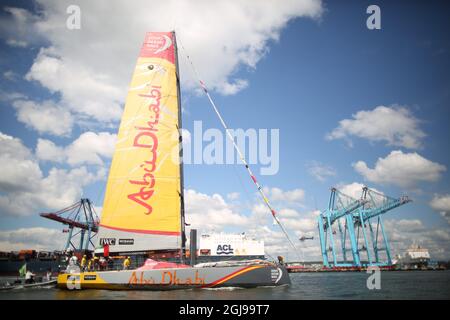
{"x":89,"y":265}
{"x":102,"y":263}
{"x":126,"y":263}
{"x":29,"y":277}
{"x":73,"y":260}
{"x":83,"y":263}
{"x":110,"y":263}
{"x":95,"y":263}
{"x":280,"y":260}
{"x":48,"y":276}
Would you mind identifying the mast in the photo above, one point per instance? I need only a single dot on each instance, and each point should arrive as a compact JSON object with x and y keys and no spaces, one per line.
{"x":177,"y":72}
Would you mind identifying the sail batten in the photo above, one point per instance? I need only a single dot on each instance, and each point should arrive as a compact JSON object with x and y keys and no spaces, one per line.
{"x":142,"y":204}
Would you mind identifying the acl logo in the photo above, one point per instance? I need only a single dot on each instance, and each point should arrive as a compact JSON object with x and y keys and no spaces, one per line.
{"x":224,"y":249}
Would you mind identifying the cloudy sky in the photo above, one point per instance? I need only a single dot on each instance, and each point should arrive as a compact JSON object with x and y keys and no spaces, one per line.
{"x":353,"y":107}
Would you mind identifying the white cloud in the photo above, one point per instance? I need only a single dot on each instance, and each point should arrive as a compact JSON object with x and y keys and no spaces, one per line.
{"x":83,"y":91}
{"x":91,"y":68}
{"x":16,"y":43}
{"x":36,"y":238}
{"x":233,"y":196}
{"x":401,"y":169}
{"x":88,"y":148}
{"x":14,"y":27}
{"x":45,"y":117}
{"x":408,"y":225}
{"x":211,"y":212}
{"x":302,"y":223}
{"x":353,"y":190}
{"x":320,"y":171}
{"x":24,"y":188}
{"x":53,"y":196}
{"x":58,"y":190}
{"x":406,"y":232}
{"x":46,"y":150}
{"x":232,"y":88}
{"x":11,"y":96}
{"x":10,"y":75}
{"x":279,"y":195}
{"x":288,"y":213}
{"x":441,"y":203}
{"x":395,"y":125}
{"x":19,"y":169}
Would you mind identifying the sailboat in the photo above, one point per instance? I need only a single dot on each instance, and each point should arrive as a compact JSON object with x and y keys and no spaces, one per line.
{"x":143,"y":209}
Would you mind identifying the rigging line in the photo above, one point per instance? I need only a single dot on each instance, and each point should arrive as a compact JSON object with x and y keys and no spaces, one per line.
{"x":205,"y":90}
{"x":244,"y":188}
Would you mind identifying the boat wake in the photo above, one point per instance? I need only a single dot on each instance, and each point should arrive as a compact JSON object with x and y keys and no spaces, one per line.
{"x":224,"y":289}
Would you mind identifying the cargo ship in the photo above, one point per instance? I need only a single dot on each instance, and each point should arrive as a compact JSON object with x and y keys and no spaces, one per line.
{"x":415,"y":257}
{"x":37,"y":261}
{"x":228,"y":246}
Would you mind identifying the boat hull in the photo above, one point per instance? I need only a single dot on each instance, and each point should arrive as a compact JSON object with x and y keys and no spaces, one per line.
{"x":31,"y":285}
{"x":177,"y":278}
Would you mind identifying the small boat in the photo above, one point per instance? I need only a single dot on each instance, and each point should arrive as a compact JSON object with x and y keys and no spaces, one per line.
{"x":23,"y":285}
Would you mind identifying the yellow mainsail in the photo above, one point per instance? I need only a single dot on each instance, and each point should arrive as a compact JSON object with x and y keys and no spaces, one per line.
{"x":142,"y":205}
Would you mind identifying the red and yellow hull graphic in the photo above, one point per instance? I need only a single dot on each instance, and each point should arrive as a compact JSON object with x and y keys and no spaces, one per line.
{"x":177,"y":278}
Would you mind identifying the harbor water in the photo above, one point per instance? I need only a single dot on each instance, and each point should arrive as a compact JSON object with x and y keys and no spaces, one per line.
{"x":305,"y":286}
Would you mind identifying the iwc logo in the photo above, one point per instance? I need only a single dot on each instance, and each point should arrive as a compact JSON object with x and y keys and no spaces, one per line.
{"x":108,"y":241}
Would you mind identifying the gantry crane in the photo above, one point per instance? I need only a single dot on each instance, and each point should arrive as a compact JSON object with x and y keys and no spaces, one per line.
{"x":80,"y":216}
{"x":352,"y":219}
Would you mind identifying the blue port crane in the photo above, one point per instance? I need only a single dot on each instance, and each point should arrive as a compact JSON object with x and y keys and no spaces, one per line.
{"x":347,"y":225}
{"x":81,"y":218}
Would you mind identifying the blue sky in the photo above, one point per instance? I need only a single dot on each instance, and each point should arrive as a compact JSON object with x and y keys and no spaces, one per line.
{"x":325,"y":66}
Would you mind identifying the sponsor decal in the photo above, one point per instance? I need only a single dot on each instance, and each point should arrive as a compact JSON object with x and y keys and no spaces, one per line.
{"x":224,"y":249}
{"x":108,"y":241}
{"x":158,"y":45}
{"x":165,"y":46}
{"x":126,"y":242}
{"x":166,"y":277}
{"x":276,"y":274}
{"x":147,"y":138}
{"x":90,"y":277}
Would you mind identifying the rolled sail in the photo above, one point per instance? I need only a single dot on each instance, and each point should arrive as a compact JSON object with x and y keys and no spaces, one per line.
{"x":142,"y":205}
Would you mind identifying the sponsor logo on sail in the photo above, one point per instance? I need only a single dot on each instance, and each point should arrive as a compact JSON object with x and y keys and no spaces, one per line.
{"x":126,"y":242}
{"x":147,"y":138}
{"x":158,"y":43}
